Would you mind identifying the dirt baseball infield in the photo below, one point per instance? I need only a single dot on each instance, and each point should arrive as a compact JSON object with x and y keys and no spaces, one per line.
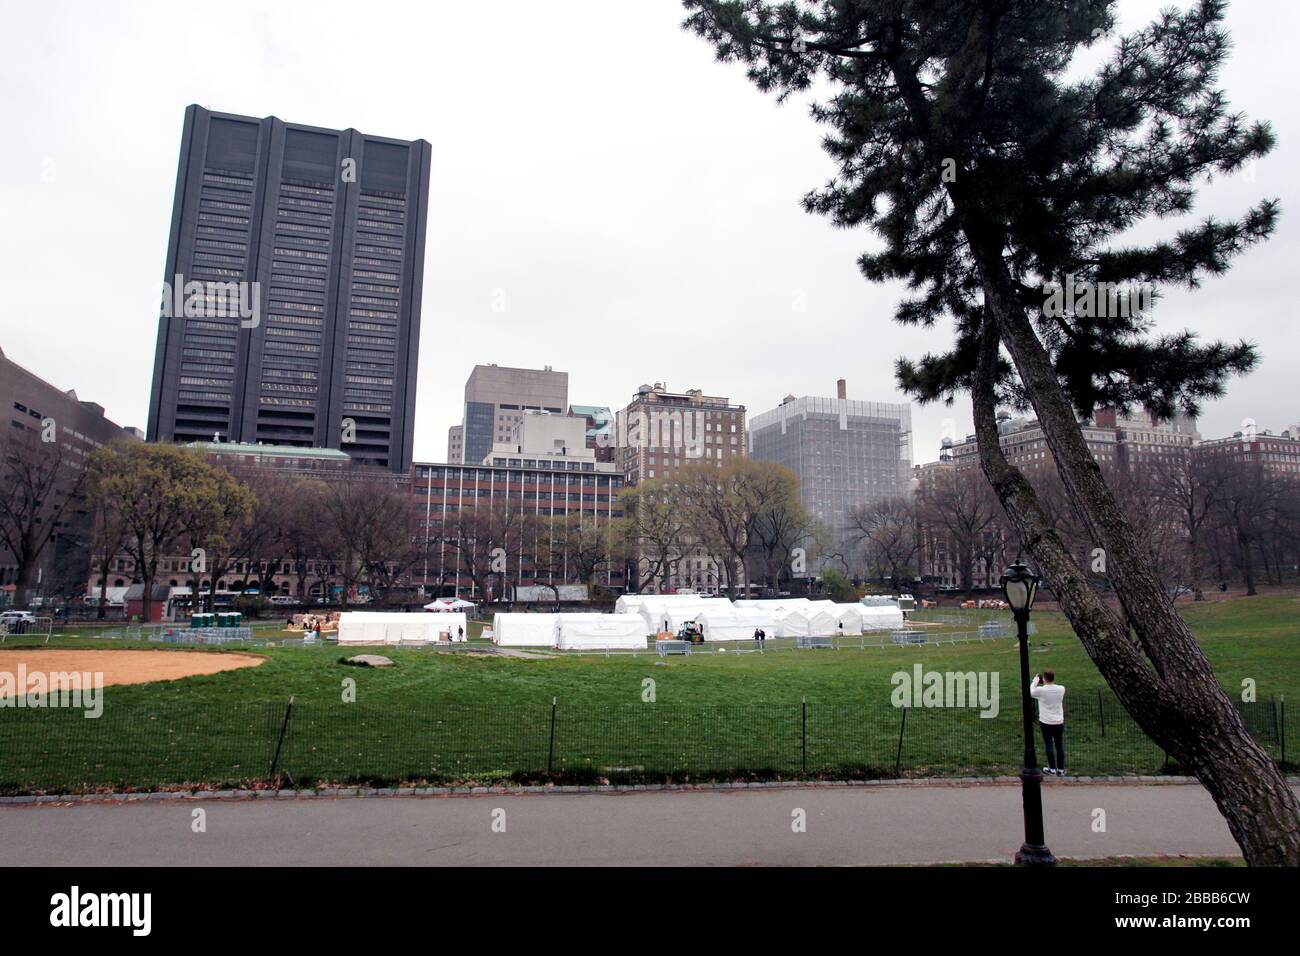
{"x":126,"y":667}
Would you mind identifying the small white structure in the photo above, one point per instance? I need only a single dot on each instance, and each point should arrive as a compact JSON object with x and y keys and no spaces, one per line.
{"x":442,"y":605}
{"x":585,"y":631}
{"x":524,"y":630}
{"x":736,"y":624}
{"x":396,"y":627}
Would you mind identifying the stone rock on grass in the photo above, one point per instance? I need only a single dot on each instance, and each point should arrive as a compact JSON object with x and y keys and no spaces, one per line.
{"x":367,"y":660}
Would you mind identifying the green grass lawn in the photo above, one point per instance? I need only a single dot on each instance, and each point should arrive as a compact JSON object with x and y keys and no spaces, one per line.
{"x":440,"y":715}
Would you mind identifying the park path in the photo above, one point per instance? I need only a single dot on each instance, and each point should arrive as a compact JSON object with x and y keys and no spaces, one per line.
{"x":843,"y":826}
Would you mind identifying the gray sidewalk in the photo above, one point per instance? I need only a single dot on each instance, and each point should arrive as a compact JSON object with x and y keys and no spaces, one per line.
{"x":865,"y":825}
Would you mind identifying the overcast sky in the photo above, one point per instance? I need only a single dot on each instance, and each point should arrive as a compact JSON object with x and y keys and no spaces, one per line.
{"x":633,"y":203}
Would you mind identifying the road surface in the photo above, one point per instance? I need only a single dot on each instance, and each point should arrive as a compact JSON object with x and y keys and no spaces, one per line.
{"x":841,"y":826}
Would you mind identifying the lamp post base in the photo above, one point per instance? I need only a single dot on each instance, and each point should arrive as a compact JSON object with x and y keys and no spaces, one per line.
{"x":1030,"y":855}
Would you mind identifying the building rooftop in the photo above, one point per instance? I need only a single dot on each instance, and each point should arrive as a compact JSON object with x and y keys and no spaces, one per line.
{"x":269,"y":451}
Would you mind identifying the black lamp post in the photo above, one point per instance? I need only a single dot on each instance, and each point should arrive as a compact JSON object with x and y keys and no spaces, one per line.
{"x":1020,"y":585}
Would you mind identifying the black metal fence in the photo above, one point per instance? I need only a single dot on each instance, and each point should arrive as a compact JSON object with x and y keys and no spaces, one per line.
{"x":142,"y":745}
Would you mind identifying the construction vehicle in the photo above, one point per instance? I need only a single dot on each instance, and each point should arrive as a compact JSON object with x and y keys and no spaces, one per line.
{"x":691,"y":632}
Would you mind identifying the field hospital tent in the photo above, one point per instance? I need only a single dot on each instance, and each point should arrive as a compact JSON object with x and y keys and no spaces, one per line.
{"x":850,"y":616}
{"x":658,"y":610}
{"x":579,"y":631}
{"x":736,"y":624}
{"x":791,"y":614}
{"x":524,"y":630}
{"x":826,"y":617}
{"x":880,"y":615}
{"x":675,"y":616}
{"x":631,"y":603}
{"x":628,"y":603}
{"x":394,"y":627}
{"x":791,"y":620}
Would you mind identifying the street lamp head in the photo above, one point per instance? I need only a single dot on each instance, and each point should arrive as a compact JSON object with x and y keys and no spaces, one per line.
{"x":1020,"y":585}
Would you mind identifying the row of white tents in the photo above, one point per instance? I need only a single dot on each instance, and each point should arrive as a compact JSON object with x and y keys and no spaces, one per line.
{"x":569,"y":631}
{"x":397,"y":627}
{"x":636,"y":617}
{"x":779,"y":617}
{"x":645,"y":615}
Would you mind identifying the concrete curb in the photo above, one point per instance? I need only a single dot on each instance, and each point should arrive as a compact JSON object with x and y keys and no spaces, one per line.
{"x":342,"y":792}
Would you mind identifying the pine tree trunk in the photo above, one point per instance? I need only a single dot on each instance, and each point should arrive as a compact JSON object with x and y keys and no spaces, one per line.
{"x":1163,"y":680}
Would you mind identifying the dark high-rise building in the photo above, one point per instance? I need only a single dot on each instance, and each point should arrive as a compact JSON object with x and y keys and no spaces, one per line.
{"x":291,"y":314}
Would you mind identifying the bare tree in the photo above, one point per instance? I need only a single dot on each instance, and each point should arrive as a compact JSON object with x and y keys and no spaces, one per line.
{"x":652,"y":529}
{"x":40,"y":487}
{"x":155,"y":487}
{"x":886,"y":530}
{"x":305,"y":534}
{"x":722,"y":505}
{"x":782,"y":536}
{"x":1243,"y":509}
{"x":486,"y":540}
{"x":961,"y":511}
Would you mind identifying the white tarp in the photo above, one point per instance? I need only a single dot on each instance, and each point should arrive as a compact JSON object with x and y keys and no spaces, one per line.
{"x":524,"y":630}
{"x":736,"y":624}
{"x":393,"y":627}
{"x":579,"y":631}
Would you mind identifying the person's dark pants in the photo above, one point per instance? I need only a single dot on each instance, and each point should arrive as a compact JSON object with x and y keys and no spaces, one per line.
{"x":1054,"y":737}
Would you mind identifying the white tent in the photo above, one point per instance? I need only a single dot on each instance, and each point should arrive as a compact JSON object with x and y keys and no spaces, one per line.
{"x":393,"y":627}
{"x":827,"y":616}
{"x":768,"y":603}
{"x":880,"y":617}
{"x":678,"y":615}
{"x":524,"y":630}
{"x":628,"y":603}
{"x":791,"y":620}
{"x":736,"y":624}
{"x":584,"y":631}
{"x":449,"y":604}
{"x":850,"y":616}
{"x":822,"y":618}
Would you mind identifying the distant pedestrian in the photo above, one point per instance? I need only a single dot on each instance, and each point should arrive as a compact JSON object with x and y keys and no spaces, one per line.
{"x":1051,"y":718}
{"x":460,"y":633}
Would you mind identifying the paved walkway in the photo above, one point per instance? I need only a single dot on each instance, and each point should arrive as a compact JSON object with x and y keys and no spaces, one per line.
{"x":843,"y":826}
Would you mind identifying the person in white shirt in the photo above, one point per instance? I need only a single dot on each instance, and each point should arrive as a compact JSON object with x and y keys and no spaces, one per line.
{"x":1051,"y":718}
